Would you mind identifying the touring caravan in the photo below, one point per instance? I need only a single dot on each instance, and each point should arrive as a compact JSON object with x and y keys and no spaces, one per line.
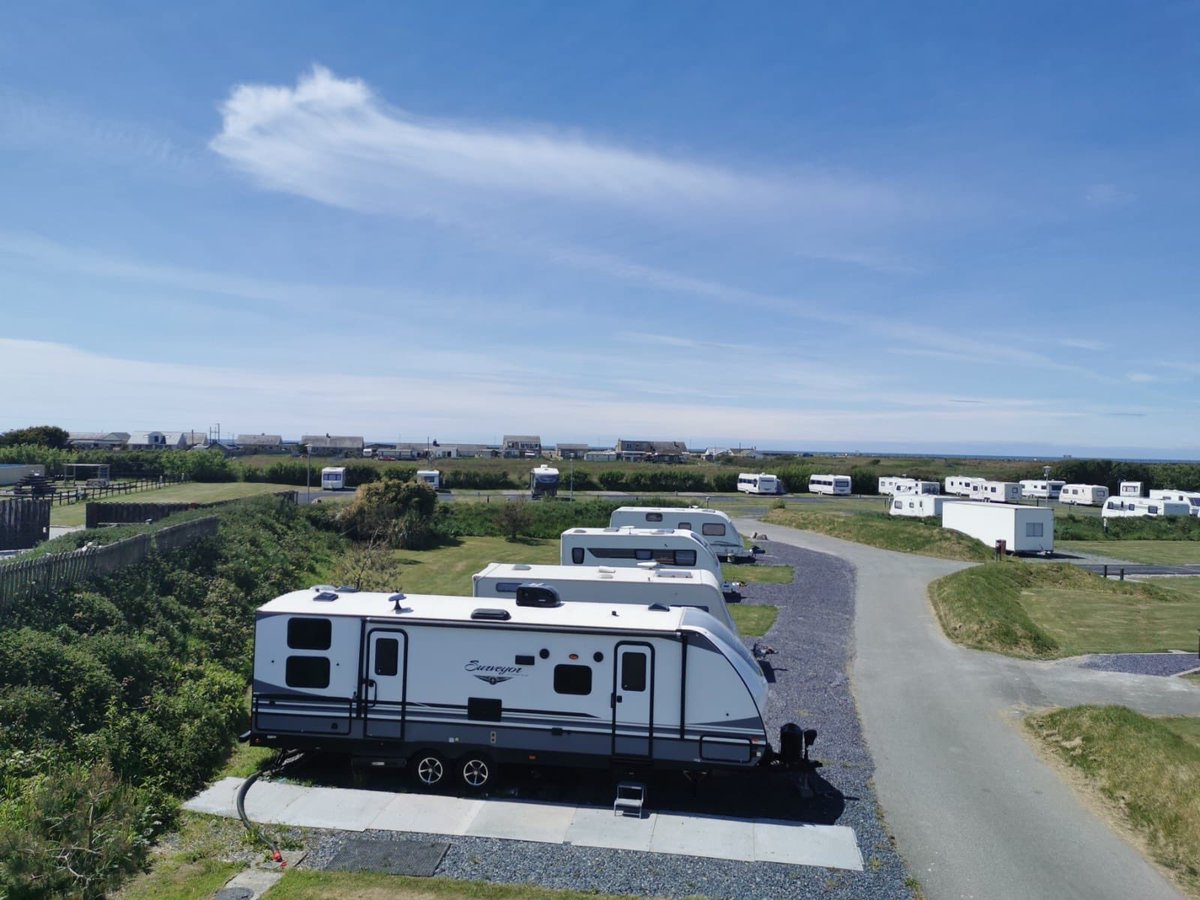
{"x":996,"y":491}
{"x":1117,"y":507}
{"x":919,"y":505}
{"x":1191,"y":498}
{"x":1130,"y":489}
{"x":961,"y":485}
{"x":712,"y":526}
{"x":543,"y":482}
{"x":1024,"y":529}
{"x":829,"y":484}
{"x":609,"y":584}
{"x":333,"y":478}
{"x":451,"y":687}
{"x":760,"y":483}
{"x":1083,"y":494}
{"x":1037,"y":489}
{"x":431,"y":477}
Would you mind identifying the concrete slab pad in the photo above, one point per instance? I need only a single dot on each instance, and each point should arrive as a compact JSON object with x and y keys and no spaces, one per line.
{"x":593,"y":827}
{"x":832,"y":846}
{"x":543,"y":822}
{"x":712,"y":836}
{"x":265,"y":800}
{"x":343,"y":808}
{"x":427,"y":814}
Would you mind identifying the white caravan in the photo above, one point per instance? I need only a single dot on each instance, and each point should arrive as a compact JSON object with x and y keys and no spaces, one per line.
{"x":333,"y":478}
{"x":450,"y":687}
{"x":625,"y":547}
{"x":1131,"y":489}
{"x":1191,"y":498}
{"x":996,"y":491}
{"x":893,"y":484}
{"x":712,"y":526}
{"x":760,"y":483}
{"x":838,"y":485}
{"x":1118,"y":507}
{"x":1024,"y":529}
{"x":919,"y":505}
{"x":1083,"y":494}
{"x":608,"y":584}
{"x":961,"y":485}
{"x":1040,"y":489}
{"x":431,"y":477}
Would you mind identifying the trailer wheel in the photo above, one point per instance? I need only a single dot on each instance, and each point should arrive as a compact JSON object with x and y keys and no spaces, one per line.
{"x":476,"y":771}
{"x":428,"y":769}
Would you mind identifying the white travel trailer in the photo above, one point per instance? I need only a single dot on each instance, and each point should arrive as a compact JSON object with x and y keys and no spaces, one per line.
{"x":760,"y":483}
{"x":996,"y":491}
{"x":712,"y":526}
{"x":625,"y":547}
{"x":919,"y":505}
{"x":451,"y":687}
{"x":1083,"y":494}
{"x":893,"y":484}
{"x":961,"y":485}
{"x":1118,"y":507}
{"x":838,"y":485}
{"x":333,"y":478}
{"x":1131,"y":489}
{"x":543,"y":482}
{"x":1040,"y":489}
{"x":431,"y":477}
{"x":608,"y":584}
{"x":1191,"y":498}
{"x":1024,"y":529}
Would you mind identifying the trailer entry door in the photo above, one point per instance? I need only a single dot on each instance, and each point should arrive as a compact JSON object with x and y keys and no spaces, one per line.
{"x":384,"y":683}
{"x":633,"y":700}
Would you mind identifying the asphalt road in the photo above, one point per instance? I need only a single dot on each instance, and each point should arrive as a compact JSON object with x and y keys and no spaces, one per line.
{"x":974,"y":811}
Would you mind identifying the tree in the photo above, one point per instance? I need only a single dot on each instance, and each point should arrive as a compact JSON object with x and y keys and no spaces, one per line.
{"x":41,"y":435}
{"x":400,"y":513}
{"x":514,"y":519}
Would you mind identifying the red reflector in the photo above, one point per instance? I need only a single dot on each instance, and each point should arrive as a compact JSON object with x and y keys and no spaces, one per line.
{"x":573,"y":656}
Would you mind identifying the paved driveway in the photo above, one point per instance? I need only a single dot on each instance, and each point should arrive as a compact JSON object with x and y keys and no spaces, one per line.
{"x":975,"y":812}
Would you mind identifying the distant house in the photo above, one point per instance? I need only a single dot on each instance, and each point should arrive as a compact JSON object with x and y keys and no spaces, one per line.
{"x":570,"y":451}
{"x":716,"y":452}
{"x":261,"y":443}
{"x":600,"y":456}
{"x":97,"y":440}
{"x":194,"y":439}
{"x":333,"y":444}
{"x":146,"y":440}
{"x":652,"y":451}
{"x":521,"y":445}
{"x":176,"y":440}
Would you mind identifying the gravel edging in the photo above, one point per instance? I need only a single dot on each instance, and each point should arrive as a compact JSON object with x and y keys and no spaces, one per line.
{"x":813,"y":637}
{"x":1163,"y":664}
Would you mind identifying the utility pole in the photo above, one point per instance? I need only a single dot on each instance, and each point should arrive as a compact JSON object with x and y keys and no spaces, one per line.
{"x":308,"y":476}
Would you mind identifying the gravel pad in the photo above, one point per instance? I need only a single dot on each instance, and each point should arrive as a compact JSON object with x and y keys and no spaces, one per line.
{"x":1143,"y":663}
{"x":395,"y":857}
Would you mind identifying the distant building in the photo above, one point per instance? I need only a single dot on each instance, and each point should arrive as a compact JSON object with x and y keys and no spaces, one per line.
{"x":600,"y":456}
{"x":146,"y":440}
{"x":261,"y":443}
{"x":652,"y":451}
{"x":333,"y":444}
{"x":521,"y":445}
{"x":97,"y":440}
{"x":570,"y":451}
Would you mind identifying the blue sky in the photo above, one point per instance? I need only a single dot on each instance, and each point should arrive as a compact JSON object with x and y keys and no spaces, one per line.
{"x":862,"y":226}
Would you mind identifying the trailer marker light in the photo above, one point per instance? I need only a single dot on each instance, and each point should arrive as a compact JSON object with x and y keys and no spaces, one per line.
{"x":573,"y":656}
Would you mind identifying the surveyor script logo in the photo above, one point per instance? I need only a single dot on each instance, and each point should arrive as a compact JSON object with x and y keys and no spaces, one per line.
{"x":493,"y":674}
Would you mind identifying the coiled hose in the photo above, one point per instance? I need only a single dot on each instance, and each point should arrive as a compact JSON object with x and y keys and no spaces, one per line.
{"x":256,"y":832}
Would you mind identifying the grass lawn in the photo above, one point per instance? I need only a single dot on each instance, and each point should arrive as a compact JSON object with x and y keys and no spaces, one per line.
{"x":1187,"y":727}
{"x":192,"y":865}
{"x":1046,"y":611}
{"x":301,"y":884}
{"x":753,"y":621}
{"x":1146,"y":772}
{"x":1167,"y":553}
{"x":869,"y":526}
{"x":191,"y":492}
{"x":757,"y":574}
{"x":443,"y":570}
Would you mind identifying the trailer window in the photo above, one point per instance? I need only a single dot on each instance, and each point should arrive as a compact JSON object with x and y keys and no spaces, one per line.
{"x":633,"y":672}
{"x":685,"y":557}
{"x":572,"y":680}
{"x":307,"y":672}
{"x":309,"y":634}
{"x":1034,"y":529}
{"x":577,"y":555}
{"x":685,"y":526}
{"x":713,"y":529}
{"x":387,"y":656}
{"x":653,"y":517}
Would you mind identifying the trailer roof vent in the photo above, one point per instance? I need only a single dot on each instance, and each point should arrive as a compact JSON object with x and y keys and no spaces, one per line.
{"x":537,"y":595}
{"x":522,"y":567}
{"x":491,"y":615}
{"x":658,"y":607}
{"x":648,"y":565}
{"x":325,"y":596}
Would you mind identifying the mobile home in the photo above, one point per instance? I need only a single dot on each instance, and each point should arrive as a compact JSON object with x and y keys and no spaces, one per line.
{"x":452,"y":687}
{"x":1118,"y":507}
{"x":609,"y":584}
{"x":919,"y":505}
{"x":996,"y":491}
{"x":712,"y":526}
{"x":333,"y":478}
{"x":829,"y":484}
{"x":760,"y":483}
{"x":1024,"y":529}
{"x":1038,"y":489}
{"x":431,"y":477}
{"x":1083,"y":494}
{"x":543,"y":482}
{"x":1130,"y":489}
{"x":961,"y":485}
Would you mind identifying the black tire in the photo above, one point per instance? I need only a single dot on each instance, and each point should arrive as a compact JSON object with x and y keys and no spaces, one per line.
{"x":428,"y":769}
{"x":476,"y":771}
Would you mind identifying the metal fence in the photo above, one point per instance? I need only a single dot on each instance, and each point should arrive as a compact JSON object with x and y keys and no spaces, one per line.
{"x":44,"y":575}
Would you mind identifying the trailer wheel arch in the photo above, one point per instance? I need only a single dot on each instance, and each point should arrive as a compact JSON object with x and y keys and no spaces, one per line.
{"x":476,"y":771}
{"x":429,"y":768}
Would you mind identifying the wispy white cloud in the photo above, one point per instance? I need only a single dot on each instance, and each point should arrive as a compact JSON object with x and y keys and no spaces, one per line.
{"x":1106,"y":196}
{"x":1142,"y":377}
{"x":1084,"y":344}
